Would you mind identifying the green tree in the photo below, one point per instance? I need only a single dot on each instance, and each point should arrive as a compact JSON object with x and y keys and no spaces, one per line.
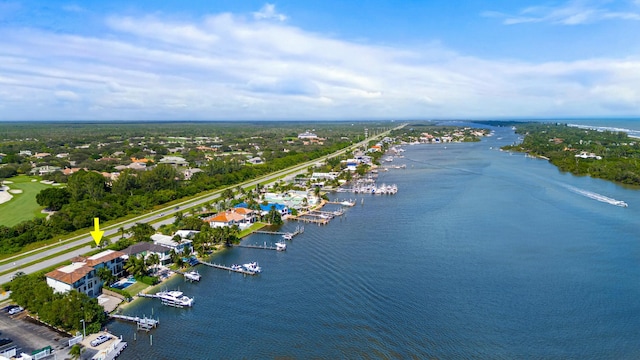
{"x":53,"y":198}
{"x":153,"y":260}
{"x":75,"y":351}
{"x":136,"y":266}
{"x":106,"y":275}
{"x":141,"y":232}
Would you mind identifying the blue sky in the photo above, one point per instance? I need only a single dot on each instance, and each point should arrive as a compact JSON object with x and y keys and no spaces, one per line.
{"x":291,"y":60}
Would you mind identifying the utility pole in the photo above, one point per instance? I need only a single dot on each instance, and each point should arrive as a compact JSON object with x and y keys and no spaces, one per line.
{"x":84,"y":332}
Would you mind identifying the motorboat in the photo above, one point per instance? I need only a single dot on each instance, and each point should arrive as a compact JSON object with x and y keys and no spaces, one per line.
{"x":252,"y":267}
{"x":192,"y":275}
{"x":174,"y":298}
{"x":287,"y":236}
{"x":281,"y":246}
{"x":236,"y":267}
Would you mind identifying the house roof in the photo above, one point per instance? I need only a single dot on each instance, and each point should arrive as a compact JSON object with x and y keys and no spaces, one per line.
{"x":270,"y":205}
{"x":225,"y":217}
{"x":70,"y":274}
{"x":242,"y":211}
{"x":103,"y":257}
{"x":141,"y":247}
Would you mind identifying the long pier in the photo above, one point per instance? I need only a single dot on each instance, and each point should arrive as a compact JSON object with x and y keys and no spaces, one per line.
{"x":223,"y":267}
{"x":290,"y":235}
{"x":144,"y":323}
{"x":321,"y":221}
{"x":263,"y":247}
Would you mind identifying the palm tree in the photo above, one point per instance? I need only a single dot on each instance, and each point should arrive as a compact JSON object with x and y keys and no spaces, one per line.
{"x":75,"y":351}
{"x":153,"y":260}
{"x":121,"y":229}
{"x":106,"y":275}
{"x":136,"y":266}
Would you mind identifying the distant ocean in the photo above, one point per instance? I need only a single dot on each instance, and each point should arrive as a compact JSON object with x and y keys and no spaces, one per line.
{"x":482,"y":254}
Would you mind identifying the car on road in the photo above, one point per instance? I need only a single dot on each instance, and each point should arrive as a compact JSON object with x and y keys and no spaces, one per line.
{"x":15,"y":310}
{"x":100,"y":339}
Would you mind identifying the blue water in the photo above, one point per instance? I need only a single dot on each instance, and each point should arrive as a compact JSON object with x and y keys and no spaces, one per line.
{"x":481,"y":254}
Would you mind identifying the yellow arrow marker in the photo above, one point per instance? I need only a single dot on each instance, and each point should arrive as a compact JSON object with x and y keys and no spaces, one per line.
{"x":97,"y":233}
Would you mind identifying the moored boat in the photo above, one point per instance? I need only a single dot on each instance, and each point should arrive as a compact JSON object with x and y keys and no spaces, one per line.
{"x":174,"y":298}
{"x":192,"y":275}
{"x":281,"y":246}
{"x":252,"y":267}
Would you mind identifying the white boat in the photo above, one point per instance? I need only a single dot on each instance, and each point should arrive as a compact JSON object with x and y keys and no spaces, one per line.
{"x":252,"y":267}
{"x":287,"y":236}
{"x":236,"y":267}
{"x":192,"y":275}
{"x":281,"y":246}
{"x":174,"y":298}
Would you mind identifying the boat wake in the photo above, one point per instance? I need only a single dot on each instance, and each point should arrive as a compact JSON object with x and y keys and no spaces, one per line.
{"x":596,"y":196}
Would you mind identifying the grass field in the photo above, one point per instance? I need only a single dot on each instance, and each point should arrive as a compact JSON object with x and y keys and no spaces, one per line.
{"x":22,"y":206}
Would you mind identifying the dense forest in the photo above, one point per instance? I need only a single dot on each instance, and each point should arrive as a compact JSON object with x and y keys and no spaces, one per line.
{"x":601,"y":154}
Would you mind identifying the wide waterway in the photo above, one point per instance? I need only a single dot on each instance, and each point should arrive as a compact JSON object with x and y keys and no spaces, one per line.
{"x":481,"y":254}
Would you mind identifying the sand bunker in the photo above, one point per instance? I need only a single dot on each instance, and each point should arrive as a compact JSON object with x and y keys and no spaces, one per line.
{"x":16,"y":191}
{"x":4,"y":194}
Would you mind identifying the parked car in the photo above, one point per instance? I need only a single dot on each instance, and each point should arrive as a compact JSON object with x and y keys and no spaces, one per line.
{"x":5,"y":341}
{"x":15,"y":310}
{"x":100,"y":339}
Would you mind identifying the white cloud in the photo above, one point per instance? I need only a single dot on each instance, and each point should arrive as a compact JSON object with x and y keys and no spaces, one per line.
{"x":226,"y":66}
{"x":574,"y":12}
{"x":268,"y":12}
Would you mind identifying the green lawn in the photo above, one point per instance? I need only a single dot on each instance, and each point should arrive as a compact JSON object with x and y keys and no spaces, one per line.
{"x":22,"y":206}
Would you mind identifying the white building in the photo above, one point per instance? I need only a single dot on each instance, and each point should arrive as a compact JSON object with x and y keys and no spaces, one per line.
{"x":167,"y":241}
{"x":82,"y":275}
{"x":307,"y":135}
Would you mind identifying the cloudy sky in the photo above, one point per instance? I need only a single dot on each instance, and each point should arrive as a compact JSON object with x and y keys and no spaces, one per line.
{"x":311,"y":59}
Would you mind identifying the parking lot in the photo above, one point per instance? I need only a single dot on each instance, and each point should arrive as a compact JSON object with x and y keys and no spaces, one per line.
{"x":28,"y":335}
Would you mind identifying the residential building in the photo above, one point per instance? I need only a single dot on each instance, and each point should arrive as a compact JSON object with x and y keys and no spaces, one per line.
{"x":144,"y":249}
{"x":82,"y":274}
{"x":307,"y":135}
{"x":182,"y":247}
{"x":226,"y":218}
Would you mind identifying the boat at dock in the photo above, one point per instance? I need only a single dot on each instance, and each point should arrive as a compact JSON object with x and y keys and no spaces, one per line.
{"x":174,"y":298}
{"x":236,"y":267}
{"x":281,"y":246}
{"x":287,"y":236}
{"x":192,"y":275}
{"x":252,"y":267}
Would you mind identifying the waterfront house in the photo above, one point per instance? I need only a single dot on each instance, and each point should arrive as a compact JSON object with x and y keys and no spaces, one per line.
{"x":283,"y":209}
{"x":182,"y":247}
{"x":226,"y":218}
{"x":248,"y":216}
{"x":82,"y":276}
{"x":144,"y":249}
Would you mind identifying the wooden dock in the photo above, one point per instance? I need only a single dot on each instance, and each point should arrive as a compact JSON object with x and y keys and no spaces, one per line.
{"x":144,"y":323}
{"x":320,"y":221}
{"x":299,"y":230}
{"x":263,"y":247}
{"x":223,"y":267}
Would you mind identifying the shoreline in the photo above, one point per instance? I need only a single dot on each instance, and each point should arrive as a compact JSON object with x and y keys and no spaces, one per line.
{"x":135,"y":298}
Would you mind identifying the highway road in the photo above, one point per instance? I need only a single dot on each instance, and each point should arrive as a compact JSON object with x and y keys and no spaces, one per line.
{"x":60,"y":252}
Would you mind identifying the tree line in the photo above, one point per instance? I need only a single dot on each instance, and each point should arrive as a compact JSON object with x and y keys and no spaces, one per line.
{"x":619,"y":154}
